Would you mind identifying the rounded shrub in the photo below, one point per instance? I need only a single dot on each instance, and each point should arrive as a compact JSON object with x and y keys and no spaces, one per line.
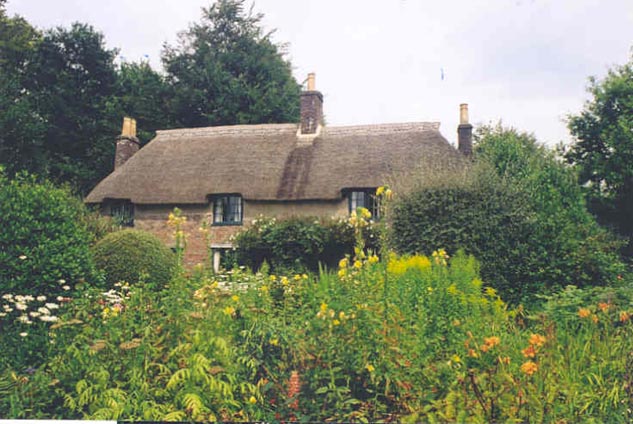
{"x":486,"y":218}
{"x":131,"y":255}
{"x":44,"y":241}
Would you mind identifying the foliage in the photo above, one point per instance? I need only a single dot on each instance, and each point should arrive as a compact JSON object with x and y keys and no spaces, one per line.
{"x":298,"y":244}
{"x":573,"y":249}
{"x":603,"y":149}
{"x":142,"y":93}
{"x":130,"y":255}
{"x":519,"y":211}
{"x":410,"y":339}
{"x":43,"y":238}
{"x":481,"y":214}
{"x":226,"y":71}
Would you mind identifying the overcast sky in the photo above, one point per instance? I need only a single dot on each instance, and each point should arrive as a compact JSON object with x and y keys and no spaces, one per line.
{"x":525,"y":62}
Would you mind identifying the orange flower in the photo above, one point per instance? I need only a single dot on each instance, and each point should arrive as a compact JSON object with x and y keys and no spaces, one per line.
{"x":529,"y":367}
{"x":624,"y":316}
{"x":584,"y":312}
{"x":472,"y":353}
{"x":529,"y":352}
{"x":492,"y":341}
{"x":537,"y":340}
{"x":594,"y":318}
{"x":604,"y":307}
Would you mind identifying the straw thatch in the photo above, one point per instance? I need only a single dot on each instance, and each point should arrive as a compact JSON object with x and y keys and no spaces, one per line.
{"x":268,"y":162}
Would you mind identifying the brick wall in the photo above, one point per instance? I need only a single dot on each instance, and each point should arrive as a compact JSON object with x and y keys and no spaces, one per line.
{"x":153,"y":218}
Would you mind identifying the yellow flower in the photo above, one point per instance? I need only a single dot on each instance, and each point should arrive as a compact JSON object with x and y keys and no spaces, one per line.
{"x":229,"y":310}
{"x":491,"y":292}
{"x":456,"y":359}
{"x":584,"y":312}
{"x":323,"y":307}
{"x":358,"y":264}
{"x":342,"y":273}
{"x":235,"y":298}
{"x":297,"y":277}
{"x":370,"y":368}
{"x":380,"y":190}
{"x":252,"y":400}
{"x":284,"y":281}
{"x":304,"y":276}
{"x":264,"y":288}
{"x":273,"y":278}
{"x":529,"y":367}
{"x":336,"y":322}
{"x":388,"y":194}
{"x":372,"y":259}
{"x":274,"y":342}
{"x":341,"y":315}
{"x":537,"y":340}
{"x":342,"y":263}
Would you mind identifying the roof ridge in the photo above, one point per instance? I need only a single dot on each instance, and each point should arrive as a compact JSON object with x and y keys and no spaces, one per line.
{"x":255,"y":129}
{"x":267,"y":129}
{"x":383,"y":128}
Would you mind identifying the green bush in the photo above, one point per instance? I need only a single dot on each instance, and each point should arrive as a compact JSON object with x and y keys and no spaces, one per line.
{"x":519,"y":211}
{"x":130,"y":255}
{"x":44,"y":242}
{"x":484,"y":216}
{"x":299,"y":244}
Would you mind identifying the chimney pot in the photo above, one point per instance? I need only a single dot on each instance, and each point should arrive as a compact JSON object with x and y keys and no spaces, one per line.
{"x":311,"y":82}
{"x":463,"y":113}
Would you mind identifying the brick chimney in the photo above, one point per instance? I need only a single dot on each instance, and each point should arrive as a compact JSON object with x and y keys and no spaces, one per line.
{"x":311,"y":108}
{"x":464,"y":132}
{"x":126,"y":144}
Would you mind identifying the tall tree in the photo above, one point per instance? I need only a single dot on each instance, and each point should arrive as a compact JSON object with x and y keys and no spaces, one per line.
{"x":142,"y":93}
{"x":603,"y":149}
{"x":21,"y":127}
{"x":72,"y":77}
{"x":227,"y":70}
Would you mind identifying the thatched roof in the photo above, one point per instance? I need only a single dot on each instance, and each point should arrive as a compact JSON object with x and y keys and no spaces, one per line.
{"x":269,"y":162}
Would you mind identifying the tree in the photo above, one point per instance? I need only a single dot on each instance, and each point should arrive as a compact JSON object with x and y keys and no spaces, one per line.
{"x":21,"y":127}
{"x":226,"y":70}
{"x":603,"y":150}
{"x":72,"y":77}
{"x":142,"y":93}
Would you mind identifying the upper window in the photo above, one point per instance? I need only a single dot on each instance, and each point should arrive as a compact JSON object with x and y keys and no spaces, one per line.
{"x":227,"y":209}
{"x":364,"y":198}
{"x":122,"y":212}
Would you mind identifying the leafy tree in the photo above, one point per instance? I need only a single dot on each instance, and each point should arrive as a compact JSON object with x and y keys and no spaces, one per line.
{"x":72,"y":77}
{"x":603,"y":149}
{"x":21,"y":127}
{"x":571,"y":248}
{"x":142,"y":93}
{"x":226,"y":70}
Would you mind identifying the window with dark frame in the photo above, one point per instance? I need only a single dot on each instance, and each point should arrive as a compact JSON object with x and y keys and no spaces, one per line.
{"x":364,"y":198}
{"x":227,"y":210}
{"x":122,"y":212}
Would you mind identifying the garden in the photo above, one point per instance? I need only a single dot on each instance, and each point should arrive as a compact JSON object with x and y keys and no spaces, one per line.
{"x":392,"y":338}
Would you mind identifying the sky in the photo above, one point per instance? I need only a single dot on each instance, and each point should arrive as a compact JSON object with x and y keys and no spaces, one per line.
{"x":525,"y":63}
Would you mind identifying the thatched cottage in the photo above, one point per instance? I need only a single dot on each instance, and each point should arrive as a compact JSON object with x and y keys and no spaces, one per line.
{"x":229,"y":175}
